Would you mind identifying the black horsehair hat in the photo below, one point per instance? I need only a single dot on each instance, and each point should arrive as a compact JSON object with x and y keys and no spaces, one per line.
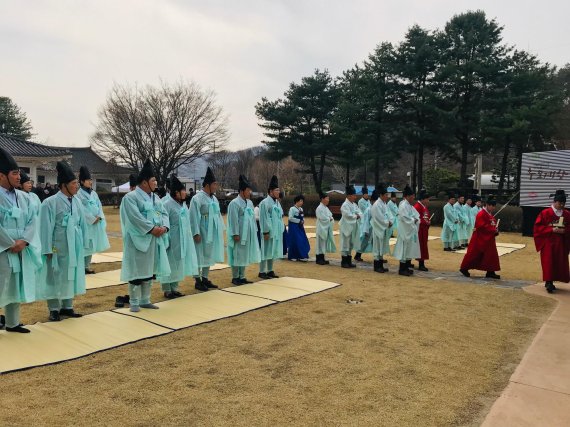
{"x":24,"y":177}
{"x":273,"y":184}
{"x":209,"y":178}
{"x":84,"y":174}
{"x":243,"y":183}
{"x":132,"y":180}
{"x":408,"y":191}
{"x":146,"y":173}
{"x":559,"y":196}
{"x":350,"y":191}
{"x":7,"y":162}
{"x":64,"y":173}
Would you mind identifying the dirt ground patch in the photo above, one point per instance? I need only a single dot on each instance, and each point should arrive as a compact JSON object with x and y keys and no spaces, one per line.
{"x":415,"y":352}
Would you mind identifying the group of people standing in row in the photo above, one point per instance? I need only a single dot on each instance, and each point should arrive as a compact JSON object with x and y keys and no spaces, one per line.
{"x":46,"y":247}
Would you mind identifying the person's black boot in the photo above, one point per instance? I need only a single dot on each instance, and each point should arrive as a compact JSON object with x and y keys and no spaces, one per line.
{"x":378,"y":268}
{"x":321,"y":259}
{"x":403,"y":271}
{"x":236,"y":282}
{"x":20,"y":329}
{"x":550,"y":288}
{"x":409,"y":267}
{"x":69,"y":312}
{"x":349,"y":262}
{"x":343,"y":263}
{"x":465,"y":272}
{"x":54,"y":316}
{"x":209,"y":284}
{"x":492,"y":275}
{"x":200,"y":285}
{"x":422,"y":266}
{"x":358,"y":257}
{"x":272,"y":275}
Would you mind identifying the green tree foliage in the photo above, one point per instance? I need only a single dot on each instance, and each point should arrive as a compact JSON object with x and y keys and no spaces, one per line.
{"x":13,"y":120}
{"x":299,"y":125}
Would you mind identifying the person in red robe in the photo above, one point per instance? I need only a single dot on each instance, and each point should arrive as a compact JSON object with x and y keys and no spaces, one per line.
{"x":552,"y":240}
{"x":423,"y":232}
{"x":482,"y":250}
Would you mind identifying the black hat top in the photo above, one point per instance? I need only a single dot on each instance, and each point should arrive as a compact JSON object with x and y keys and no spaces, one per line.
{"x":209,"y":178}
{"x":393,"y":194}
{"x":243,"y":183}
{"x":408,"y":191}
{"x":84,"y":174}
{"x":374,"y":196}
{"x":559,"y":196}
{"x":423,"y":194}
{"x":132,"y":180}
{"x":323,"y":195}
{"x":64,"y":173}
{"x":381,"y":190}
{"x":24,"y":177}
{"x":364,"y":189}
{"x":7,"y":162}
{"x":146,"y":173}
{"x":298,"y":198}
{"x":274,"y":183}
{"x":350,"y":190}
{"x":491,"y":201}
{"x":175,"y":184}
{"x":451,"y":195}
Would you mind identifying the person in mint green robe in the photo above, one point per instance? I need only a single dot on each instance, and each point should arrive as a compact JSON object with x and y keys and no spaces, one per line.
{"x":62,"y":233}
{"x":27,"y":185}
{"x":450,"y":221}
{"x":181,"y":252}
{"x":243,"y":248}
{"x":144,"y":226}
{"x":463,"y":222}
{"x":381,"y":221}
{"x":393,"y":208}
{"x":208,"y":228}
{"x":325,"y":238}
{"x":349,"y":228}
{"x":20,"y":249}
{"x":407,"y":245}
{"x":271,"y":229}
{"x":364,"y":225}
{"x":96,"y":225}
{"x":469,"y":224}
{"x":475,"y":209}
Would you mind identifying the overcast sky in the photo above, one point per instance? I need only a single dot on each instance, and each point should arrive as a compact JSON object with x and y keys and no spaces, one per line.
{"x":58,"y":59}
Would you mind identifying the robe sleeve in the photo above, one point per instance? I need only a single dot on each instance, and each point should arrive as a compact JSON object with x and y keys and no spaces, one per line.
{"x":6,"y":242}
{"x":292,"y":213}
{"x":233,"y":220}
{"x":348,"y":212}
{"x":264,"y":218}
{"x":195,"y":215}
{"x":47,"y":224}
{"x":137,"y":221}
{"x":84,"y":200}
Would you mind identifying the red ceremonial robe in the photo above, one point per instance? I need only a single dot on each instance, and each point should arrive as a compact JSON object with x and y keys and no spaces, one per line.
{"x":553,"y":247}
{"x":423,"y":231}
{"x":482,"y":250}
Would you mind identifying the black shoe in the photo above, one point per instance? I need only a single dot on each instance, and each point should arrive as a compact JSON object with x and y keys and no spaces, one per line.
{"x":69,"y":312}
{"x":199,"y":285}
{"x":209,"y":284}
{"x":54,"y":316}
{"x":465,"y":272}
{"x":550,"y":288}
{"x":19,"y":329}
{"x":349,"y":261}
{"x":410,"y":265}
{"x":358,"y":257}
{"x":89,"y":271}
{"x":321,"y":259}
{"x":422,"y":266}
{"x":492,"y":275}
{"x":272,"y":275}
{"x":177,"y":294}
{"x":403,"y":271}
{"x":169,"y":295}
{"x":244,"y":281}
{"x":343,"y":263}
{"x":236,"y":282}
{"x":2,"y":321}
{"x":263,"y":276}
{"x":449,"y":250}
{"x":378,"y":268}
{"x":119,"y":302}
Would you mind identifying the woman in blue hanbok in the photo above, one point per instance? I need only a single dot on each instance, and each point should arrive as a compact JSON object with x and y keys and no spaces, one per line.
{"x":298,"y":244}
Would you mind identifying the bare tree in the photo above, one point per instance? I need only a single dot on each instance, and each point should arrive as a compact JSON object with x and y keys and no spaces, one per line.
{"x":171,"y":125}
{"x":244,"y":159}
{"x":223,"y":164}
{"x":339,"y":174}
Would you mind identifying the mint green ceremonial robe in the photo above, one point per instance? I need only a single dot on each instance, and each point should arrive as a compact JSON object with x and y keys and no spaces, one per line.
{"x":144,"y":255}
{"x":241,"y":222}
{"x":208,"y":223}
{"x":62,"y":233}
{"x":448,"y":231}
{"x":324,"y":231}
{"x":271,"y":221}
{"x":181,"y":252}
{"x":380,"y":218}
{"x":393,"y":209}
{"x":96,"y":240}
{"x":407,"y":245}
{"x":348,"y":224}
{"x":18,"y":272}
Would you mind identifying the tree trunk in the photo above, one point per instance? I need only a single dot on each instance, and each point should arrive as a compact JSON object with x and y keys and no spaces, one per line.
{"x":504,"y":163}
{"x":347,"y":177}
{"x":315,"y":176}
{"x":420,"y":165}
{"x":414,"y":170}
{"x":463,"y":176}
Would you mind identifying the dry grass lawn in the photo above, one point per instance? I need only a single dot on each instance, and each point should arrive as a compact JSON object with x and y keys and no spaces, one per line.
{"x":415,"y":352}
